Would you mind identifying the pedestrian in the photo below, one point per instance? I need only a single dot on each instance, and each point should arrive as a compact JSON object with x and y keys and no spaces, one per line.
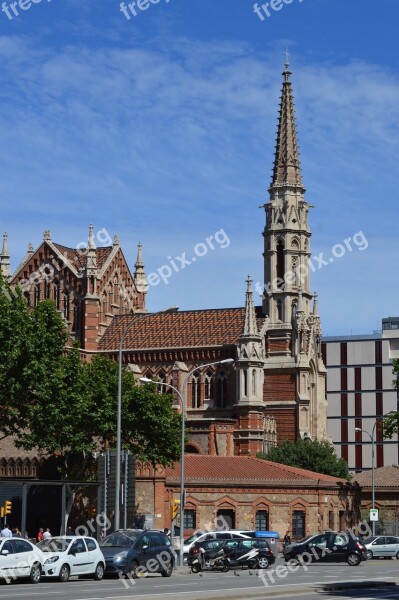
{"x":69,"y":531}
{"x":16,"y":532}
{"x":6,"y":532}
{"x":40,"y":534}
{"x":47,"y":534}
{"x":26,"y":536}
{"x":286,"y":539}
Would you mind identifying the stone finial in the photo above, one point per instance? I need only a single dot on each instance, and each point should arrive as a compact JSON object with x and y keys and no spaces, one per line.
{"x":30,"y":248}
{"x":4,"y":251}
{"x":250,"y":326}
{"x":47,"y":235}
{"x":92,"y":245}
{"x":116,"y":240}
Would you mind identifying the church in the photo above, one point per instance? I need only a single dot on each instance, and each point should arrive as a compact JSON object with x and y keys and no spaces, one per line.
{"x":273,"y":389}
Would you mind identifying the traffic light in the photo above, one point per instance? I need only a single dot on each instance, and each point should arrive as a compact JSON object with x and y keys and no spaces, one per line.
{"x":2,"y":512}
{"x":174,"y":508}
{"x":8,"y":507}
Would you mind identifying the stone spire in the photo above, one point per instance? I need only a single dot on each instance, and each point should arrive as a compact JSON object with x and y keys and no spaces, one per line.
{"x":5,"y":258}
{"x":91,"y":270}
{"x":287,"y":168}
{"x":250,"y":326}
{"x":140,"y":278}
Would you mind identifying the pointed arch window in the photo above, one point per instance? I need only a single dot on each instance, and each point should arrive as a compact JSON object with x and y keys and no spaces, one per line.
{"x":36,"y":295}
{"x":66,"y":305}
{"x":47,"y":289}
{"x":253,"y":382}
{"x":195,"y":392}
{"x":280,"y":264}
{"x":245,"y":390}
{"x":56,"y":293}
{"x":27,"y":298}
{"x":209,"y":385}
{"x":222,"y":389}
{"x":280,"y":312}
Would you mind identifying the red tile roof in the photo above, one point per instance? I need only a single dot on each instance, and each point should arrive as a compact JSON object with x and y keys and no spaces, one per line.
{"x":202,"y":468}
{"x":186,"y":329}
{"x":383,"y":477}
{"x":77,"y":258}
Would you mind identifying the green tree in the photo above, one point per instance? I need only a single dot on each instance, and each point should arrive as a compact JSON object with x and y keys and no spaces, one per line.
{"x":313,"y":455}
{"x":391,"y":423}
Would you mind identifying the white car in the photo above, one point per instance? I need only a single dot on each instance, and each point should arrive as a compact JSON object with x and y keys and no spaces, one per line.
{"x":72,"y":555}
{"x":211,"y":535}
{"x":20,"y":558}
{"x":384,"y":546}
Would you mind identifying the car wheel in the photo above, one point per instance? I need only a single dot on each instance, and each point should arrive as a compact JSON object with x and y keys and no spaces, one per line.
{"x":168,"y":571}
{"x":99,"y":572}
{"x":132,"y":571}
{"x":35,"y":573}
{"x":64,"y":574}
{"x":185,"y":559}
{"x":397,"y":555}
{"x":370,"y":554}
{"x":353,"y":559}
{"x":263,"y":562}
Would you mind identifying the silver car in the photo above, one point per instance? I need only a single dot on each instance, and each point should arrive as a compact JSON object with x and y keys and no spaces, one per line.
{"x":384,"y":546}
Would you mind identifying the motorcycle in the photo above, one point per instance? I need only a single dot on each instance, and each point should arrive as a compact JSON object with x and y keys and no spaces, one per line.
{"x":249,"y":560}
{"x":209,"y":560}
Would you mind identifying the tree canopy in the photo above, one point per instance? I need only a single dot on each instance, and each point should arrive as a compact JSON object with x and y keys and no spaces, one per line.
{"x":313,"y":455}
{"x":391,"y":423}
{"x":52,"y":401}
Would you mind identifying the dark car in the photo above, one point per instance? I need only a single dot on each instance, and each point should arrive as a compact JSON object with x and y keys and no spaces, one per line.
{"x":133,"y":552}
{"x":240,"y":552}
{"x":327,"y":547}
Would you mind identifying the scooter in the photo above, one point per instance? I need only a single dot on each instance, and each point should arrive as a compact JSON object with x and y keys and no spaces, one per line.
{"x":211,"y":560}
{"x":249,"y":560}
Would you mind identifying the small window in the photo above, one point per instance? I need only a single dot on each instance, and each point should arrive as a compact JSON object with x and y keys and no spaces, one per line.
{"x":8,"y":546}
{"x":298,"y":524}
{"x":91,"y":544}
{"x":156,"y":541}
{"x":262,"y":520}
{"x":22,"y":546}
{"x":190,"y":518}
{"x":78,"y":547}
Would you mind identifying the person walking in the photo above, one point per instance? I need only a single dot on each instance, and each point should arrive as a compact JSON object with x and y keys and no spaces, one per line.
{"x":47,"y":534}
{"x":286,"y":539}
{"x":6,"y":532}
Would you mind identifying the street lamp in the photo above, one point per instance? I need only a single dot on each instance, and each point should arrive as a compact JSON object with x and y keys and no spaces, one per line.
{"x":172,"y":309}
{"x":372,"y":438}
{"x":183,"y":400}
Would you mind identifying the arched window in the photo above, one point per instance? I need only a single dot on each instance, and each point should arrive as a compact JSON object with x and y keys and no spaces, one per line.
{"x":195,"y":392}
{"x":298,"y":524}
{"x":222,"y":389}
{"x":280,"y":315}
{"x":253,"y":382}
{"x":66,"y":305}
{"x":280,"y":265}
{"x":56,"y":292}
{"x":331,"y":520}
{"x":47,"y":289}
{"x":27,"y":298}
{"x":36,"y":295}
{"x":245,"y":390}
{"x":262,"y":520}
{"x":294,"y":311}
{"x":208,"y":386}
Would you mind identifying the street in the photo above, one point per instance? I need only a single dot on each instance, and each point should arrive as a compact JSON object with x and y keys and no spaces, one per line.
{"x":239,"y":584}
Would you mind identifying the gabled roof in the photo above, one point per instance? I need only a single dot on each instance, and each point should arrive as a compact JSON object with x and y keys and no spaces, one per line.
{"x":241,"y":469}
{"x":383,"y":477}
{"x":77,"y":257}
{"x":186,"y":329}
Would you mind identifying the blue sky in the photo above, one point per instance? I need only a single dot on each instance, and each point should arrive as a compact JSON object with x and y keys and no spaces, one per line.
{"x":161,"y":129}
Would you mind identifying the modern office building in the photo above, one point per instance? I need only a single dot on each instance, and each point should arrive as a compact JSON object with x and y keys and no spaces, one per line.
{"x":360,"y":390}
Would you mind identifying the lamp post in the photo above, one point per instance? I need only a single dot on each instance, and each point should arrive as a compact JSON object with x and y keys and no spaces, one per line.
{"x":372,"y":438}
{"x":183,"y":400}
{"x":119,"y":419}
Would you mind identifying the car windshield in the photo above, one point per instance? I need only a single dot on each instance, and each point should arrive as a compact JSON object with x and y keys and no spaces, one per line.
{"x":122,"y":540}
{"x":305,"y":539}
{"x":192,"y":538}
{"x":369,"y":540}
{"x":54,"y":544}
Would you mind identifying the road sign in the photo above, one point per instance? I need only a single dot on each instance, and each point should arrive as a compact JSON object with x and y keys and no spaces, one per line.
{"x":373,"y":514}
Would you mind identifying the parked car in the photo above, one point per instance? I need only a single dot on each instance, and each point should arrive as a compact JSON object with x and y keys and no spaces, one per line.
{"x":20,"y":559}
{"x":239,"y":552}
{"x":211,"y":535}
{"x":135,"y":551}
{"x":327,"y":547}
{"x":72,"y":555}
{"x":384,"y":546}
